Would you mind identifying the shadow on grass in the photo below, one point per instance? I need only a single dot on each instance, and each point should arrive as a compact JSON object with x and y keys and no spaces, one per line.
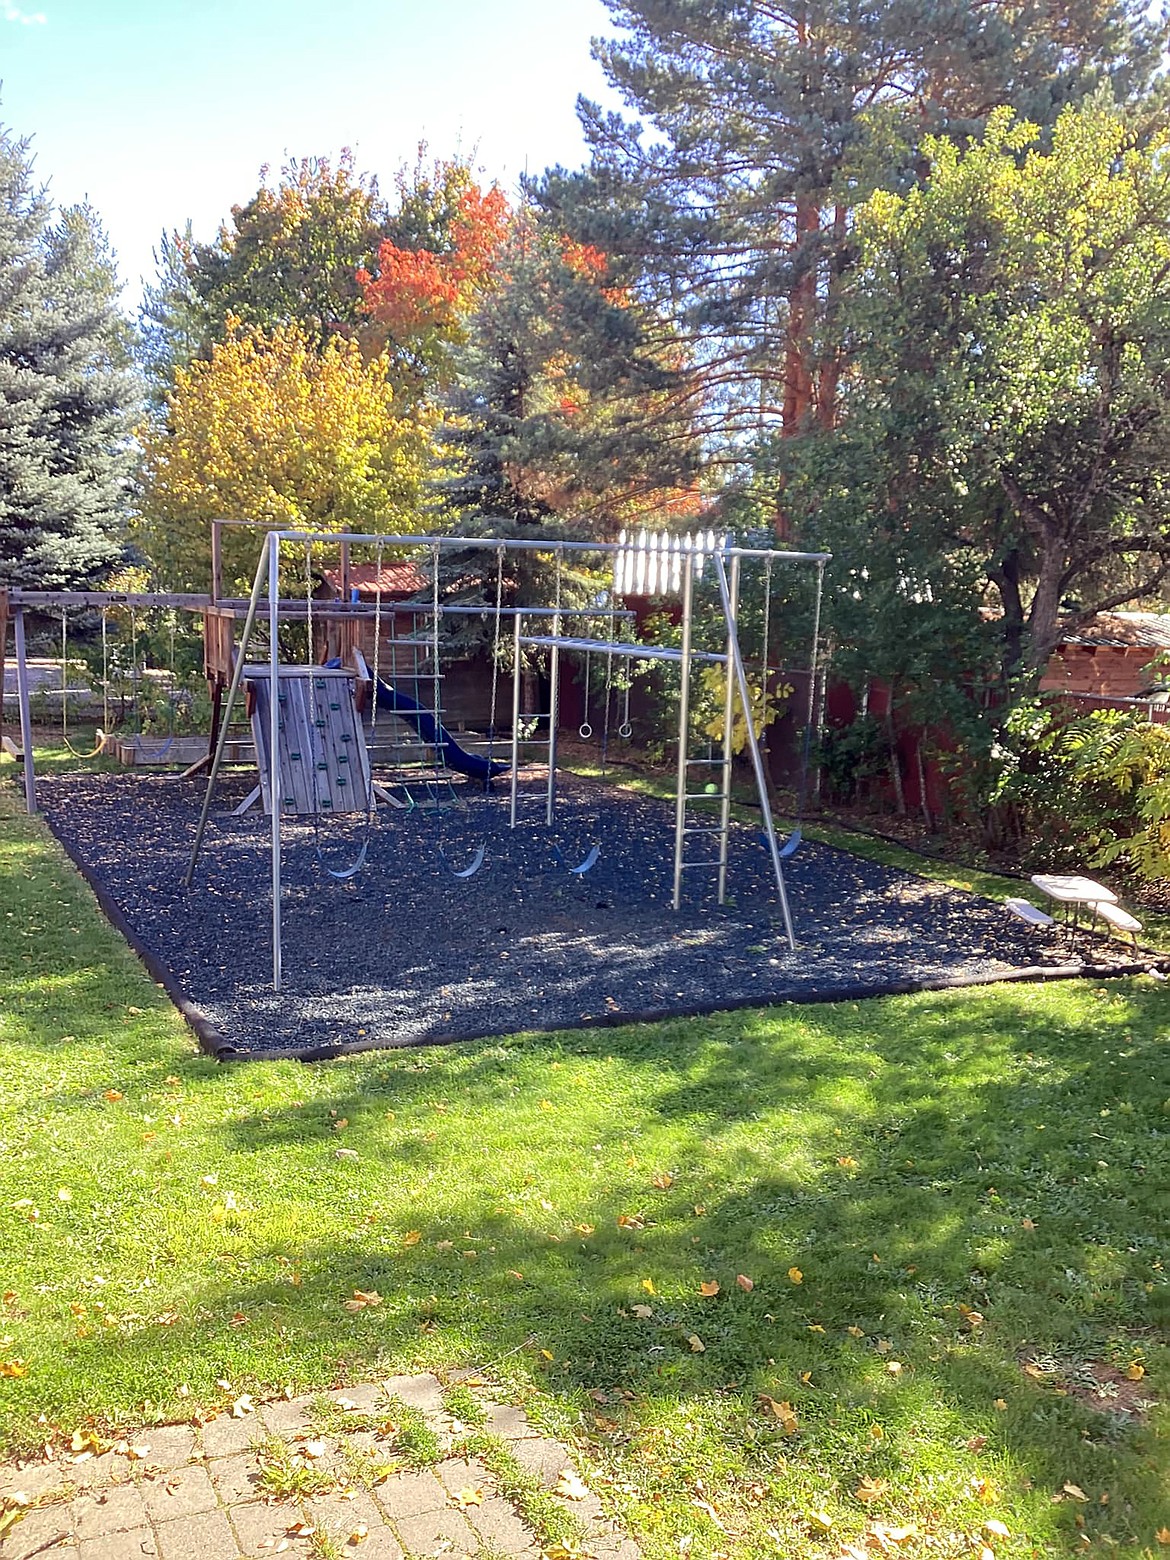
{"x":951,"y":1184}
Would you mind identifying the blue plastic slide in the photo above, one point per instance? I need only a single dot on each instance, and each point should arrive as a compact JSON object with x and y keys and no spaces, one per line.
{"x":423,"y":721}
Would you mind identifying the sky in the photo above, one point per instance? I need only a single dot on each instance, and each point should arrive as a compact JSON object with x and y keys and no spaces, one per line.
{"x":157,"y":111}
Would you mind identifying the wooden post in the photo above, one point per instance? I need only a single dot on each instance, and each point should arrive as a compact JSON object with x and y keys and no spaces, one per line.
{"x":216,"y":560}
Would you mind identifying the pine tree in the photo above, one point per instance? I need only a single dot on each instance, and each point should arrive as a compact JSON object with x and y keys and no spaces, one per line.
{"x":561,"y":415}
{"x":66,"y":389}
{"x":764,"y":125}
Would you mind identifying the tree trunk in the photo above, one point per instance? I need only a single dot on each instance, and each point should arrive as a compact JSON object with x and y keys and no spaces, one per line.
{"x":895,"y":767}
{"x":802,"y":302}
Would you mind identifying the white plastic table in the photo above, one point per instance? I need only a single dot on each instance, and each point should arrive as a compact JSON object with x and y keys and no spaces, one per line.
{"x":1072,"y":890}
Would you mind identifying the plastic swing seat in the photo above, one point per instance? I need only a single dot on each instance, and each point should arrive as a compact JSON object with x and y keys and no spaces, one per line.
{"x":352,"y":870}
{"x":790,"y":846}
{"x":587,"y":865}
{"x":477,"y":861}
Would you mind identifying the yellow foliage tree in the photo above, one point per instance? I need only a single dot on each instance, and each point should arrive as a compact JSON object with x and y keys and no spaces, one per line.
{"x":274,"y":430}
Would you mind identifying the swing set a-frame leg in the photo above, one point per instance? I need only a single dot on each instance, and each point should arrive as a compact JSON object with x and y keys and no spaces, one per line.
{"x":736,"y":668}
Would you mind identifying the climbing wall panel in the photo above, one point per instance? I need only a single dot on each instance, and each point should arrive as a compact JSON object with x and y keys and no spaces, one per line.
{"x":324,"y":767}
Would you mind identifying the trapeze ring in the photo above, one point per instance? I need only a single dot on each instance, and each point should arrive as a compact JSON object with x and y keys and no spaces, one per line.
{"x":585,"y":730}
{"x":625,"y":729}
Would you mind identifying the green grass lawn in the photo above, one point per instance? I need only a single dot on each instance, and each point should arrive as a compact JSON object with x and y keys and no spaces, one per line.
{"x":952,"y":1210}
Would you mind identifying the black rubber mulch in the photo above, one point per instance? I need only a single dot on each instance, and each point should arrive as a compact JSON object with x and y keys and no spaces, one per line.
{"x":406,"y":953}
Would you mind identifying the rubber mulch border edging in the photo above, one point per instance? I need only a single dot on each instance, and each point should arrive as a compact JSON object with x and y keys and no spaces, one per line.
{"x":214,"y":1044}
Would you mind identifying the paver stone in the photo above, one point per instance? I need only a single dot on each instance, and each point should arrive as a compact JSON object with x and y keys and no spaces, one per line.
{"x":207,"y":1536}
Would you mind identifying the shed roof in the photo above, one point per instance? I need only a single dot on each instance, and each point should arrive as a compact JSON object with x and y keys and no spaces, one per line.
{"x":1124,"y":631}
{"x":398,"y":577}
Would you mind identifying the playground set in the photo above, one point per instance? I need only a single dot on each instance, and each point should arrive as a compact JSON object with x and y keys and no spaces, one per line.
{"x":432,"y":877}
{"x":313,"y":740}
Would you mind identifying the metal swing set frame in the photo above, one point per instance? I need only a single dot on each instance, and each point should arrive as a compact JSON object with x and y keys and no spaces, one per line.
{"x":679,"y":561}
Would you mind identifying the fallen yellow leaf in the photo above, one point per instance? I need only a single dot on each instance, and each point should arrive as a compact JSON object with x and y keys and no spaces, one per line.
{"x":1135,"y":1371}
{"x":114,"y":1095}
{"x":870,"y":1490}
{"x":783,"y":1412}
{"x":412,"y":1237}
{"x":663,"y":1181}
{"x":470,"y":1495}
{"x":709,"y":1287}
{"x":1163,"y":1535}
{"x":697,"y":1344}
{"x":847,"y":1162}
{"x":13,"y":1368}
{"x":796,"y":1275}
{"x":631,"y":1221}
{"x":820,"y":1521}
{"x":856,"y":1332}
{"x":1001,"y":1405}
{"x":893,"y":1368}
{"x":648,"y":1286}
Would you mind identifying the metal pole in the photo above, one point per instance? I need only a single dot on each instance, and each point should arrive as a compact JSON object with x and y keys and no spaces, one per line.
{"x":684,"y":725}
{"x":226,"y":712}
{"x":512,"y":544}
{"x":753,"y":748}
{"x":728,"y":727}
{"x":274,"y":786}
{"x":26,"y":741}
{"x":554,"y":677}
{"x":816,"y":687}
{"x":516,"y":621}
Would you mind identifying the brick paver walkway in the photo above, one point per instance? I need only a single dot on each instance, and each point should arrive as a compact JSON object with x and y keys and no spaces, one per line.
{"x":369,"y":1472}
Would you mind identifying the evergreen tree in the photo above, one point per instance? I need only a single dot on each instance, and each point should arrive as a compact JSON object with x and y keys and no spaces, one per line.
{"x":763,"y":127}
{"x":175,"y":325}
{"x":560,"y":414}
{"x":66,"y":388}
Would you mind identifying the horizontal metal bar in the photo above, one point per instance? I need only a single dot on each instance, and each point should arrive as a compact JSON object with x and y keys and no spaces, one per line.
{"x":19,"y":597}
{"x":328,"y":610}
{"x":614,"y":647}
{"x":489,"y":544}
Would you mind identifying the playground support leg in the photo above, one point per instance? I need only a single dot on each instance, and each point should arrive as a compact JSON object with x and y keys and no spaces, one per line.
{"x":516,"y":621}
{"x":274,"y":786}
{"x":754,"y":748}
{"x":26,"y":741}
{"x":233,"y":689}
{"x":728,"y":727}
{"x":554,"y":715}
{"x":684,"y":726}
